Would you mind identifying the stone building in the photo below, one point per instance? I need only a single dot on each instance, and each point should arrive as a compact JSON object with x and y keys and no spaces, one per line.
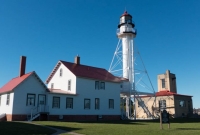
{"x":177,"y":105}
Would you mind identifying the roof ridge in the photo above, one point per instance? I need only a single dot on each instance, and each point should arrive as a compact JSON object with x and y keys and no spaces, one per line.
{"x":14,"y":82}
{"x":23,"y":75}
{"x":82,"y":65}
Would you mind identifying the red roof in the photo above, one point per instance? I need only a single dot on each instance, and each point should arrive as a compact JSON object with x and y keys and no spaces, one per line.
{"x":168,"y":93}
{"x":14,"y":83}
{"x":87,"y":72}
{"x":165,"y":93}
{"x":125,"y":14}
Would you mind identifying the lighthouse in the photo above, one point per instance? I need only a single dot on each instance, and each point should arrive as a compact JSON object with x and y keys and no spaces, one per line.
{"x":127,"y":63}
{"x":126,"y":33}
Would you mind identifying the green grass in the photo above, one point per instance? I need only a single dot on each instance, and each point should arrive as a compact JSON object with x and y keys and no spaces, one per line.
{"x":178,"y":126}
{"x":20,"y":128}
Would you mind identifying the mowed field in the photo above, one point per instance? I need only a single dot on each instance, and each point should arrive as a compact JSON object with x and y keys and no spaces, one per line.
{"x":22,"y":128}
{"x":178,"y":127}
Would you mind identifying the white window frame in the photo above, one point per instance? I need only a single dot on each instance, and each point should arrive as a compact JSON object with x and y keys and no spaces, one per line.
{"x":30,"y":100}
{"x":96,"y":85}
{"x":86,"y":103}
{"x":52,"y":85}
{"x":162,"y":104}
{"x":69,"y":102}
{"x":61,"y":72}
{"x":8,"y":99}
{"x":97,"y":103}
{"x":56,"y":102}
{"x":111,"y":104}
{"x":163,"y":83}
{"x":69,"y":84}
{"x":102,"y":85}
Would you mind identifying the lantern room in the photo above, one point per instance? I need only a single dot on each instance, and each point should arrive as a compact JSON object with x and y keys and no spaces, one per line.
{"x":126,"y":19}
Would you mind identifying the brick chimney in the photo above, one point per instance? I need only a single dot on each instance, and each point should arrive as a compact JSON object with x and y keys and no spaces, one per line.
{"x":77,"y":60}
{"x":22,"y":66}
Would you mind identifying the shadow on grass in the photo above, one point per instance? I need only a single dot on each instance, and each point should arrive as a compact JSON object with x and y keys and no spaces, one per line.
{"x":185,"y":120}
{"x":110,"y":122}
{"x":67,"y":129}
{"x":19,"y":128}
{"x":187,"y":128}
{"x":141,"y":122}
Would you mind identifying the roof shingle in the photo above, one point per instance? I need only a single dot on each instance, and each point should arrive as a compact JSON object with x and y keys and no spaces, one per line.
{"x":14,"y":83}
{"x":87,"y":72}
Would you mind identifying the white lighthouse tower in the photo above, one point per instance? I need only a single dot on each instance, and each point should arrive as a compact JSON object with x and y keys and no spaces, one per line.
{"x":127,"y":33}
{"x":123,"y":65}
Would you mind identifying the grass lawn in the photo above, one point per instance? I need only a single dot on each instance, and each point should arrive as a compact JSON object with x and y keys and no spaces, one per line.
{"x":178,"y":127}
{"x":20,"y":128}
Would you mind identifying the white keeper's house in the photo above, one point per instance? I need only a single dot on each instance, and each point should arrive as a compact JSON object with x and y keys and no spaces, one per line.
{"x":73,"y":92}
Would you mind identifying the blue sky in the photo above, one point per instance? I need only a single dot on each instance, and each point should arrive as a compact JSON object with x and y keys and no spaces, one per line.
{"x":50,"y":30}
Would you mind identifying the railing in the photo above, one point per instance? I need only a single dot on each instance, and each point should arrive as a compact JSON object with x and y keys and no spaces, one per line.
{"x":43,"y":108}
{"x":142,"y":104}
{"x":34,"y":111}
{"x":126,"y":29}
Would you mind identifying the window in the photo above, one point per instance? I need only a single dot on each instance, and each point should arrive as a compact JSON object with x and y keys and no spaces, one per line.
{"x":52,"y":85}
{"x":61,"y":72}
{"x":86,"y":103}
{"x":128,"y":21}
{"x":41,"y":99}
{"x":99,"y":85}
{"x":56,"y":102}
{"x":8,"y":99}
{"x":102,"y":86}
{"x":69,"y":84}
{"x":111,"y":103}
{"x":96,"y":85}
{"x":162,"y":104}
{"x":182,"y":103}
{"x":69,"y":103}
{"x":97,"y":104}
{"x":30,"y":101}
{"x":163,"y":83}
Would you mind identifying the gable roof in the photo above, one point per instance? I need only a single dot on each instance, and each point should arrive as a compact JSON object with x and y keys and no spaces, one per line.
{"x":13,"y":83}
{"x":89,"y":72}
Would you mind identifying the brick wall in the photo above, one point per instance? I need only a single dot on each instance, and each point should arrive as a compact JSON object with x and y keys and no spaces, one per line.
{"x":10,"y":117}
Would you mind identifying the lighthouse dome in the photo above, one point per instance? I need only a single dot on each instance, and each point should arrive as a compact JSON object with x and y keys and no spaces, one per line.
{"x":126,"y":19}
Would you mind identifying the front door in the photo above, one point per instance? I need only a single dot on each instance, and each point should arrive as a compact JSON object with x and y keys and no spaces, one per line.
{"x":42,"y":102}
